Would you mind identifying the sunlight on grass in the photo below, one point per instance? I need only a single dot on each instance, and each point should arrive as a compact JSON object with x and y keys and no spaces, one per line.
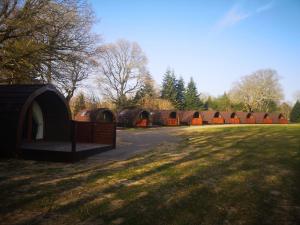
{"x":216,"y":175}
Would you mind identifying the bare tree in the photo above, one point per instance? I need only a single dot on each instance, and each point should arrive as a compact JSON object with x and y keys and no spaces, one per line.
{"x":47,"y":41}
{"x":258,"y":91}
{"x":122,"y":66}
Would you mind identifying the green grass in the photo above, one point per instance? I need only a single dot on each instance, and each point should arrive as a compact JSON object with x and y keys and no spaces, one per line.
{"x":216,"y":175}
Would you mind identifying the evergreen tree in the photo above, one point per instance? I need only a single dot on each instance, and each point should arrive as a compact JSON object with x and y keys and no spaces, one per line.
{"x":169,"y":87}
{"x":295,"y":113}
{"x":192,"y":100}
{"x":180,"y":91}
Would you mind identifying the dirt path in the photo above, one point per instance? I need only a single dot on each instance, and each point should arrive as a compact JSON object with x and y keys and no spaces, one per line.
{"x":132,"y":142}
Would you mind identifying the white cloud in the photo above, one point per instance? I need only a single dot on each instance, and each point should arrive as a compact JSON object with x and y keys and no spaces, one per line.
{"x":235,"y":15}
{"x":265,"y":7}
{"x":232,"y":17}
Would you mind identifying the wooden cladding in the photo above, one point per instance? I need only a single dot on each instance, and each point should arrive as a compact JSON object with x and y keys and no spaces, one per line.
{"x":283,"y":121}
{"x":250,"y":120}
{"x":218,"y":120}
{"x":267,"y":121}
{"x":197,"y":121}
{"x":235,"y":121}
{"x":142,"y":123}
{"x":172,"y":122}
{"x":95,"y":132}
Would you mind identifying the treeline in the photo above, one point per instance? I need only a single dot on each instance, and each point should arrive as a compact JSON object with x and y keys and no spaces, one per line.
{"x":51,"y":41}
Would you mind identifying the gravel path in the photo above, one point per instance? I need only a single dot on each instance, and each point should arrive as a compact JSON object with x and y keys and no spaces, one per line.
{"x":132,"y":142}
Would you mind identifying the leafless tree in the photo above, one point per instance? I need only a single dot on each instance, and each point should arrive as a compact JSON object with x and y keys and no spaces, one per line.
{"x":258,"y":90}
{"x":122,"y":66}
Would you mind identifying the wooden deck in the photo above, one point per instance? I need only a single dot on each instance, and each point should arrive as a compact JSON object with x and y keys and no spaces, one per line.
{"x":61,"y":151}
{"x":61,"y":146}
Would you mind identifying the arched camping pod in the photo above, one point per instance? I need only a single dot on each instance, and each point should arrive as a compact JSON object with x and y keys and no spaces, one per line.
{"x":267,"y":119}
{"x":263,"y":118}
{"x":234,"y":119}
{"x":36,"y":124}
{"x":134,"y":117}
{"x":278,"y":118}
{"x":166,"y":117}
{"x":230,"y":117}
{"x":191,"y":118}
{"x":102,"y":115}
{"x":31,"y":113}
{"x":217,"y":118}
{"x":212,"y":117}
{"x":250,"y":118}
{"x":282,"y":119}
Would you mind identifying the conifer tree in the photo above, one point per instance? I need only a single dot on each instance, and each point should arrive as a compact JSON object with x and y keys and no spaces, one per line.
{"x":295,"y":113}
{"x":180,"y":91}
{"x":192,"y":100}
{"x":169,"y":87}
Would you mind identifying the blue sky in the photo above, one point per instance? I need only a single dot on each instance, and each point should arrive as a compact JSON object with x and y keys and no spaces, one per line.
{"x":216,"y":42}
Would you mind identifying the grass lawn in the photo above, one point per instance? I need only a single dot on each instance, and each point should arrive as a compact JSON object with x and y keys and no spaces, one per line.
{"x":217,"y":175}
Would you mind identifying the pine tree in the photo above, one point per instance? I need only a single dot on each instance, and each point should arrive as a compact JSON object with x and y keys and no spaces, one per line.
{"x":295,"y":113}
{"x":169,"y":87}
{"x":180,"y":91}
{"x":192,"y":100}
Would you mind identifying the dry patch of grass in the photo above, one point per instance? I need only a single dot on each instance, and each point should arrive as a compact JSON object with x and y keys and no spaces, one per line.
{"x":217,"y":175}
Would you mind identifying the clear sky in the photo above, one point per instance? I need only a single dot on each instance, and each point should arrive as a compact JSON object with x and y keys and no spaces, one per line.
{"x":215,"y":41}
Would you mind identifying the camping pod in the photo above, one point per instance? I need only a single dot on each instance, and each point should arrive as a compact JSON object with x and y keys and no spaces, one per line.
{"x":32,"y":113}
{"x":96,"y":126}
{"x":134,"y":117}
{"x":166,"y":117}
{"x":231,"y":117}
{"x":191,"y":118}
{"x":263,"y":118}
{"x":36,"y":124}
{"x":242,"y":117}
{"x":212,"y":117}
{"x":279,"y":118}
{"x":250,"y":118}
{"x":218,"y":118}
{"x":101,"y":115}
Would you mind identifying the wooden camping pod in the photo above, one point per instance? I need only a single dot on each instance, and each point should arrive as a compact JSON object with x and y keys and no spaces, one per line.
{"x":190,"y":117}
{"x":134,"y":117}
{"x":212,"y":117}
{"x":166,"y":117}
{"x":17,"y":125}
{"x":36,"y":124}
{"x":279,"y":118}
{"x":102,"y":115}
{"x":263,"y":118}
{"x":231,"y":117}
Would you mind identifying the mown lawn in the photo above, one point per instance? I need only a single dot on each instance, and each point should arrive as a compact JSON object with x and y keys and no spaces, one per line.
{"x":217,"y":175}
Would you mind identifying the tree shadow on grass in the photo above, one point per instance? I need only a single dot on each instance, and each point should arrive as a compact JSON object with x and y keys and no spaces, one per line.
{"x":223,"y":176}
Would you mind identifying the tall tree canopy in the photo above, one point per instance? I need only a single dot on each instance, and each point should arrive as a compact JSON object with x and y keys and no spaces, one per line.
{"x":46,"y":41}
{"x":180,"y":91}
{"x":191,"y":97}
{"x":168,"y":90}
{"x":258,"y":91}
{"x":122,"y":68}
